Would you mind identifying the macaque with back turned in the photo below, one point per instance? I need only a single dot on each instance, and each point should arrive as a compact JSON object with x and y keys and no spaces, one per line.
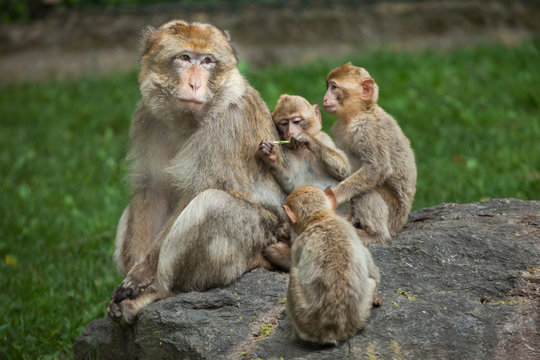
{"x":333,"y":279}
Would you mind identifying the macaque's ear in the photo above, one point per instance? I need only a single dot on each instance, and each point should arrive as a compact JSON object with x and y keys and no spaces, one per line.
{"x":317,"y":112}
{"x":368,"y":86}
{"x":146,"y":39}
{"x":227,"y":35}
{"x":331,"y":196}
{"x":290,"y":214}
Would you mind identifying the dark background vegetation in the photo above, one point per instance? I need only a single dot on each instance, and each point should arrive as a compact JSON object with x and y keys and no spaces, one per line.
{"x":461,"y":78}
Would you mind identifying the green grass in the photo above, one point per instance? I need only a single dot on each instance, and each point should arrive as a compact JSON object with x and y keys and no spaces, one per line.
{"x":472,"y":116}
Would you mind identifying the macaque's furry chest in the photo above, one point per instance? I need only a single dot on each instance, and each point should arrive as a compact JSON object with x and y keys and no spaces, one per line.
{"x":353,"y":137}
{"x":308,"y":167}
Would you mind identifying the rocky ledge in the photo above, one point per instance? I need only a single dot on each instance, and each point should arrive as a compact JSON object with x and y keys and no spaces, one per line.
{"x":460,"y":281}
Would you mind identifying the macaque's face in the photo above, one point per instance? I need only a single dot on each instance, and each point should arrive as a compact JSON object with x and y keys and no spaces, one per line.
{"x":194,"y":71}
{"x":345,"y":87}
{"x":333,"y":96}
{"x":184,"y":66}
{"x":294,"y":114}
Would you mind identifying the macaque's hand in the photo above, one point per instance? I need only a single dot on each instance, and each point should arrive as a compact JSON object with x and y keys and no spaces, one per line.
{"x":299,"y":140}
{"x":283,"y":233}
{"x":267,"y":151}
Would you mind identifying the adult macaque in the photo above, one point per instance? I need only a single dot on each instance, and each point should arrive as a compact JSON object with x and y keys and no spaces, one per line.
{"x":383,"y":184}
{"x":202,"y":206}
{"x":310,"y":158}
{"x":333,"y":279}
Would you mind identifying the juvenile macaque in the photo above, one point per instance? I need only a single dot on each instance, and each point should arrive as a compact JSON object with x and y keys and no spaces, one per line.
{"x":333,"y":279}
{"x":203,"y":207}
{"x":310,"y":158}
{"x":382,"y":186}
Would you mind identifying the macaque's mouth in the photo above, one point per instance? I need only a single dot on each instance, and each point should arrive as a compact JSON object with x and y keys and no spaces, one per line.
{"x":190,"y":101}
{"x":329,"y":108}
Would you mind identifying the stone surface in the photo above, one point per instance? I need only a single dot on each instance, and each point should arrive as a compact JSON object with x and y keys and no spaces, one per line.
{"x":460,"y":281}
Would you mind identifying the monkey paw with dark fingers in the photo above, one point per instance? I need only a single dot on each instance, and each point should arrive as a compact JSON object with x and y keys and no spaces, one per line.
{"x":283,"y":233}
{"x":298,"y":141}
{"x":267,"y":150}
{"x":114,"y":311}
{"x":128,"y":289}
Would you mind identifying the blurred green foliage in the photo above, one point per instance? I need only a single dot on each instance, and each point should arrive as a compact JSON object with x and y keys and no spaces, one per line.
{"x":16,"y":11}
{"x":472,"y":116}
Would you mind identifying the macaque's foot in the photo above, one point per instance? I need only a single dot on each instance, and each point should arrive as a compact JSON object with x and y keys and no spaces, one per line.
{"x":129,"y":289}
{"x":377,"y":302}
{"x":123,"y":312}
{"x":367,"y":238}
{"x":114,"y":311}
{"x":126,"y":310}
{"x":279,"y":255}
{"x":372,"y":238}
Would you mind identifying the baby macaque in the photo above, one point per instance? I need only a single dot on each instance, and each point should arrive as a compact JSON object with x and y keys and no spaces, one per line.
{"x":310,"y":156}
{"x":333,"y":279}
{"x":382,"y":187}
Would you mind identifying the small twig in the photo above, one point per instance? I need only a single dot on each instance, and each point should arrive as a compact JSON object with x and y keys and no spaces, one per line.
{"x":281,"y":141}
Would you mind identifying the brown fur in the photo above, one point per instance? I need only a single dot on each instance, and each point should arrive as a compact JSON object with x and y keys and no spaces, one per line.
{"x":311,"y":158}
{"x":382,"y":186}
{"x":202,"y":206}
{"x":333,"y":279}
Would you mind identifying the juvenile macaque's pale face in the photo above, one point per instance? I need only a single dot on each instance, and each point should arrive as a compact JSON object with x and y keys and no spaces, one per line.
{"x":294,"y":114}
{"x":332,"y":96}
{"x":345,"y":86}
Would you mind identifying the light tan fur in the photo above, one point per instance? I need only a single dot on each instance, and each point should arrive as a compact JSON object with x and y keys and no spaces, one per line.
{"x":311,"y":158}
{"x":203,"y":207}
{"x":333,"y":279}
{"x":383,"y":183}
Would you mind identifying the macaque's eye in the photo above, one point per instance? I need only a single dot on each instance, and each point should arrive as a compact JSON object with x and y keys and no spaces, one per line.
{"x":184,"y":57}
{"x":333,"y":86}
{"x":207,"y":60}
{"x":284,"y":123}
{"x":297,"y":120}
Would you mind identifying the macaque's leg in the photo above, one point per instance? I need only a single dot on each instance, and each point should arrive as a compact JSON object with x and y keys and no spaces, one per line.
{"x":119,"y":242}
{"x":215,"y":239}
{"x":140,"y":222}
{"x":370,"y":213}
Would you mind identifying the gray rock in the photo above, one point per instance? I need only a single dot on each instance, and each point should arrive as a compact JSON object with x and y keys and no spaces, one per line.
{"x":458,"y":282}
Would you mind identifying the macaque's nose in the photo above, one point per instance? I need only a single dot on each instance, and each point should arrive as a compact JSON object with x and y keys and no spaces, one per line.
{"x":194,"y":83}
{"x":195,"y":80}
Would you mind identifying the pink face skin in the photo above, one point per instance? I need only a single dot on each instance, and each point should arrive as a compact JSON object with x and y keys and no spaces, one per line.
{"x":330,"y":100}
{"x":291,"y":126}
{"x":195,"y":71}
